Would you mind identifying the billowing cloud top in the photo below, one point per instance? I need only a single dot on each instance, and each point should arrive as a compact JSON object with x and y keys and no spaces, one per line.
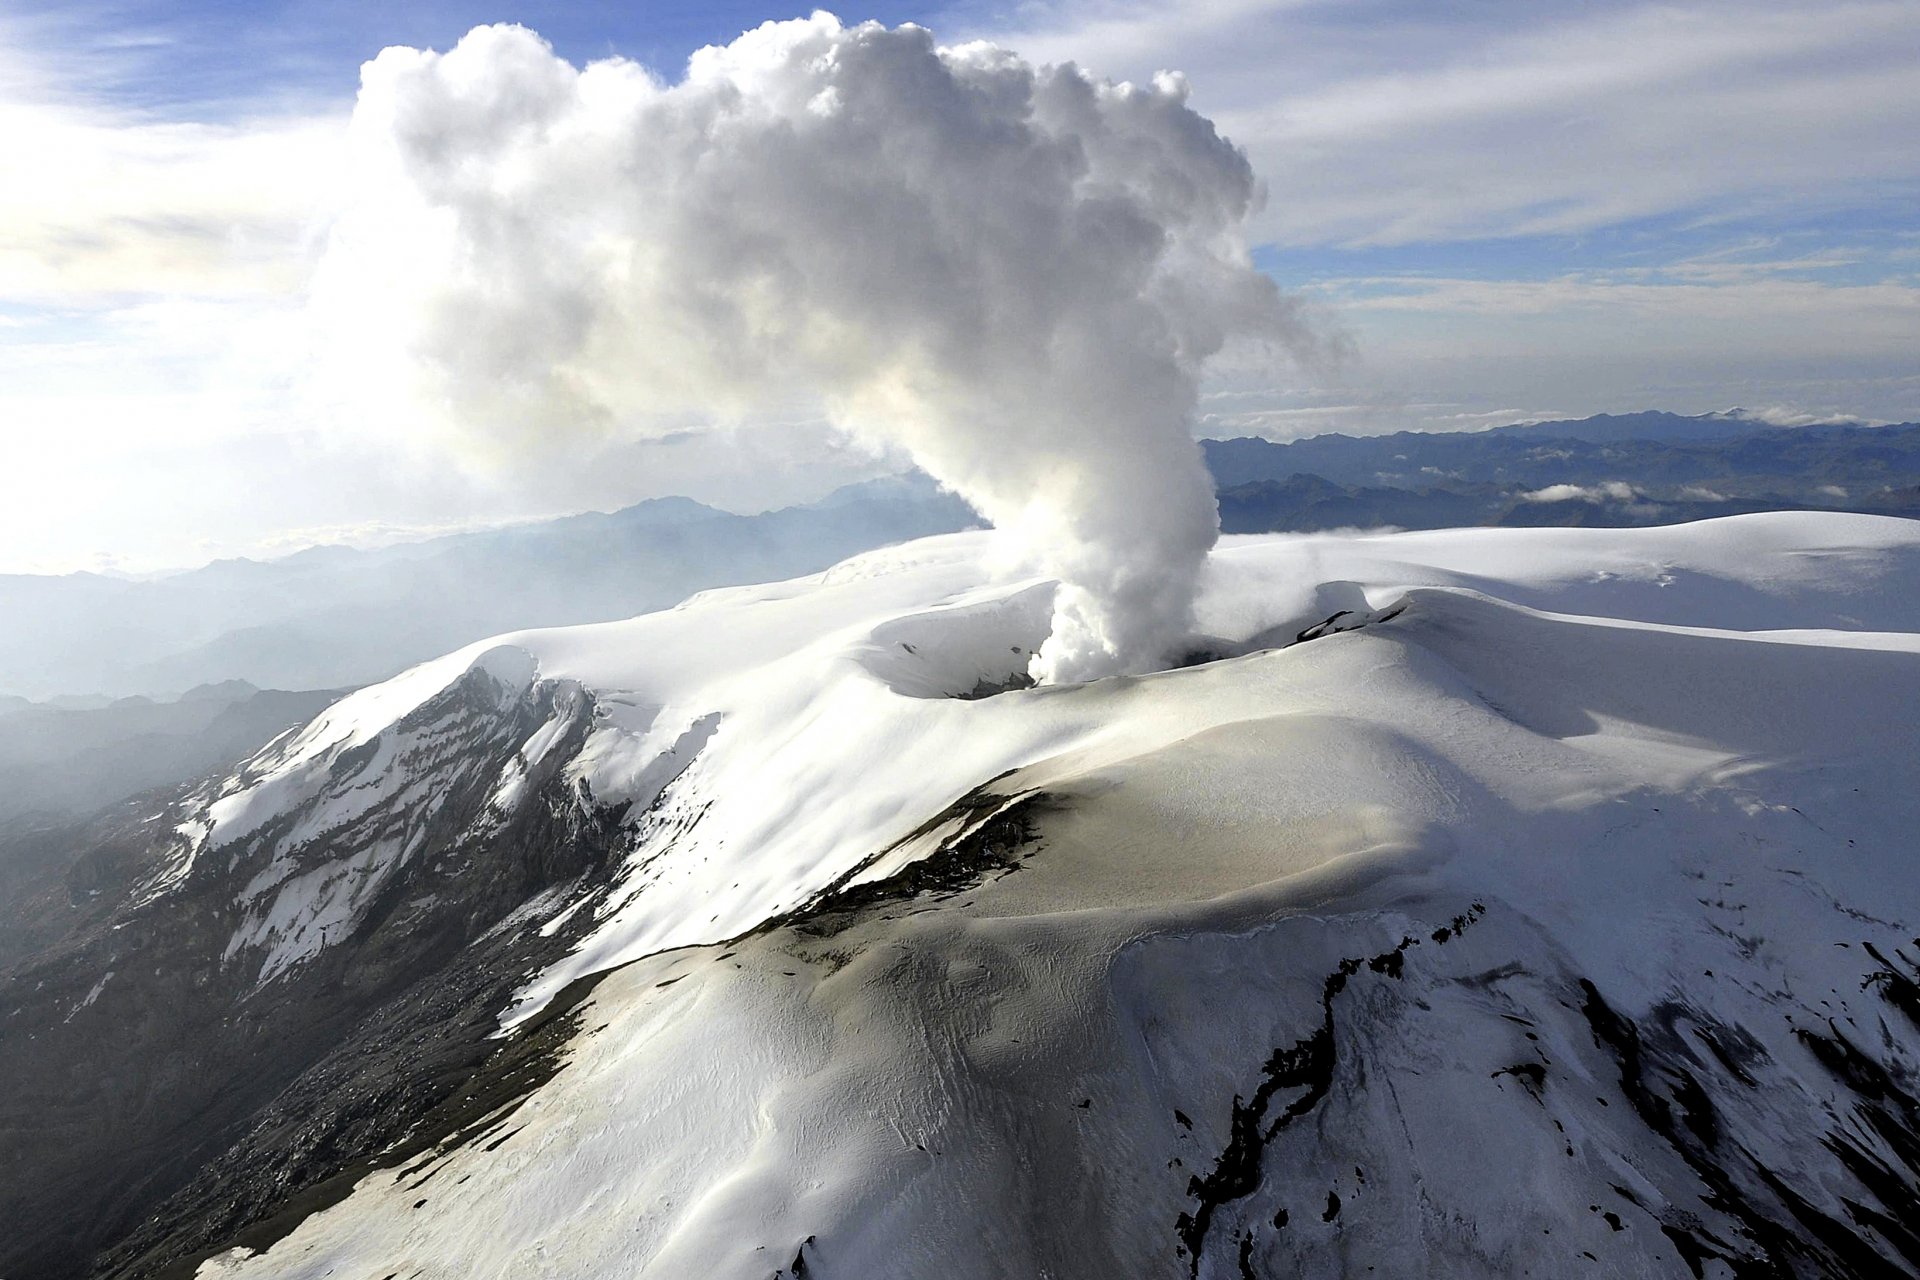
{"x":1013,"y":273}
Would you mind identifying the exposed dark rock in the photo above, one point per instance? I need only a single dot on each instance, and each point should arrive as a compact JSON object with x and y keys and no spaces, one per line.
{"x":1306,"y":1065}
{"x":156,"y":1114}
{"x":1895,"y":982}
{"x":1781,"y":1230}
{"x":985,"y":688}
{"x":990,"y":832}
{"x":1750,"y":1203}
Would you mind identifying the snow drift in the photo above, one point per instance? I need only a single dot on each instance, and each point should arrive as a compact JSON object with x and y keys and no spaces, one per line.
{"x":1012,"y":273}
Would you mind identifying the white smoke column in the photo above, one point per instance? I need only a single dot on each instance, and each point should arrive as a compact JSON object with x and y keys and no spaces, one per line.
{"x":1015,"y":273}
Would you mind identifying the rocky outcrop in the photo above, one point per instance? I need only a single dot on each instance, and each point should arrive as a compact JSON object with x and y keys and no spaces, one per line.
{"x":232,"y":1025}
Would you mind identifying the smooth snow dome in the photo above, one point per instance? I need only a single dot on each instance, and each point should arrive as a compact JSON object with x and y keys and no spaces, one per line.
{"x":1012,"y":273}
{"x":1582,"y":729}
{"x":807,"y":725}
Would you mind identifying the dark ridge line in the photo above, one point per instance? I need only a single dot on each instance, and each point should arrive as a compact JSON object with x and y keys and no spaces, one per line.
{"x":253,"y":1191}
{"x":993,"y":830}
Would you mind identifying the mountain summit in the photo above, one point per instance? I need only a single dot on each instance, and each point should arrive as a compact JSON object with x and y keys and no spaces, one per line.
{"x":1485,"y":901}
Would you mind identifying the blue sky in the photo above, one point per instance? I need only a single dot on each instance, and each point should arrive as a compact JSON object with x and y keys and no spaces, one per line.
{"x":219,"y":60}
{"x":1512,"y":209}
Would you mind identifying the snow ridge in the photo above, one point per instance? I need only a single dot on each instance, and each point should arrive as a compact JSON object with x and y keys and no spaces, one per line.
{"x":1550,"y":907}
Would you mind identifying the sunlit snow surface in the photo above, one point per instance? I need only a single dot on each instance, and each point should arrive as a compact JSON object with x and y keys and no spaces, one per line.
{"x":1647,"y":754}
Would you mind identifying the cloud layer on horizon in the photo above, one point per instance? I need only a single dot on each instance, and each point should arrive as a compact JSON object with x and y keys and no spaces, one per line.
{"x":1517,"y":210}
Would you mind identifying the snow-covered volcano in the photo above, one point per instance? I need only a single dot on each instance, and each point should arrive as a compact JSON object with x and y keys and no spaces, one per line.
{"x":1486,"y":902}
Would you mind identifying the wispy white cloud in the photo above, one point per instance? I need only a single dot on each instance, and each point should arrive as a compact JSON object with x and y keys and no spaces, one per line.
{"x":99,"y":207}
{"x":1741,"y":320}
{"x":1377,"y":408}
{"x":1380,"y":123}
{"x":1450,"y":353}
{"x":1607,"y":491}
{"x":104,"y":200}
{"x":1778,"y":415}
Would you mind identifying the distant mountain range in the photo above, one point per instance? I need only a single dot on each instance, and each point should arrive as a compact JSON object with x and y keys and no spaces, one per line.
{"x":1634,"y":469}
{"x":61,"y":761}
{"x":332,"y":617}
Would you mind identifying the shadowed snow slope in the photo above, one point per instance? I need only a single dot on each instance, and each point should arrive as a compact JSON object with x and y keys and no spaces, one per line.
{"x":1559,"y":915}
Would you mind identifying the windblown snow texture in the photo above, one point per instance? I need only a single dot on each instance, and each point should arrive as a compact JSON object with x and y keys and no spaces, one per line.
{"x":1482,"y":902}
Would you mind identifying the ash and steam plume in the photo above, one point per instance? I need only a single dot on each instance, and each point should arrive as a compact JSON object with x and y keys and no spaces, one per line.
{"x":1014,"y":273}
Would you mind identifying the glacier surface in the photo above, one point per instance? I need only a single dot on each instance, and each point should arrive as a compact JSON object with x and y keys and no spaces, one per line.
{"x":1475,"y":902}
